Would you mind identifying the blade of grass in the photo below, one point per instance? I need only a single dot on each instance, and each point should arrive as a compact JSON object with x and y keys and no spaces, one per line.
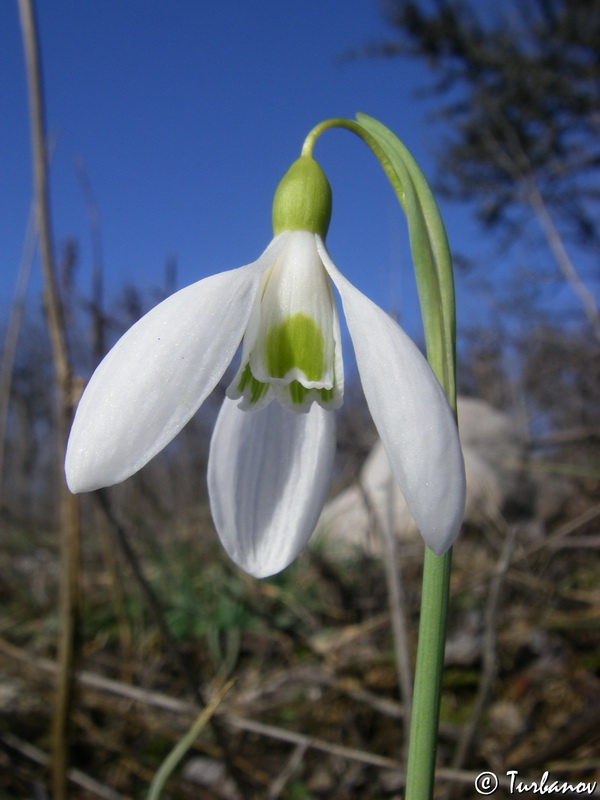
{"x":184,"y":744}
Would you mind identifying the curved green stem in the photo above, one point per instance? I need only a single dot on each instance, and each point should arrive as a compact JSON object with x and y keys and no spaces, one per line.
{"x":368,"y":139}
{"x":429,"y":243}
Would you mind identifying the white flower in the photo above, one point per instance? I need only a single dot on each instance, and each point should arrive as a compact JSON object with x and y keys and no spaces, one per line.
{"x":272,"y":450}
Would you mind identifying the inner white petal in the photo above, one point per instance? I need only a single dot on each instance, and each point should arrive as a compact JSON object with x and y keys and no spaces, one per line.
{"x":292,"y":346}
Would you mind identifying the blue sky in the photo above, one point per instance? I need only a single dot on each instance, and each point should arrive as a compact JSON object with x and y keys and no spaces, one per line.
{"x":187,"y":113}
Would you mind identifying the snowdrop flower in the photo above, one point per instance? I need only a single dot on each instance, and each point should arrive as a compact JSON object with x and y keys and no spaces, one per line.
{"x":273,"y":446}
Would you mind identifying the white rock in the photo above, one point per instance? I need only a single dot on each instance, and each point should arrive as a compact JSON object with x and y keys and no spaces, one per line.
{"x":492,"y":451}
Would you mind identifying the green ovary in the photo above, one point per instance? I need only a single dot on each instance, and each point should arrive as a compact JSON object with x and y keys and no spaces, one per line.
{"x":296,"y":343}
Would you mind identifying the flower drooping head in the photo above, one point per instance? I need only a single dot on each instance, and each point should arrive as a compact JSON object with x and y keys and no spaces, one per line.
{"x":272,"y":450}
{"x":291,"y":348}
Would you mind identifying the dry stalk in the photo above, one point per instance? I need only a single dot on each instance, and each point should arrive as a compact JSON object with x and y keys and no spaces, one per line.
{"x":562,"y":258}
{"x":293,"y":762}
{"x":13,"y":328}
{"x":396,"y":601}
{"x":98,"y":315}
{"x":69,"y":522}
{"x":189,"y":710}
{"x":75,"y":776}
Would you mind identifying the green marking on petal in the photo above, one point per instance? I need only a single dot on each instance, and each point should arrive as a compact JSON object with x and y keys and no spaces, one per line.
{"x":245,"y":379}
{"x":326,"y":395}
{"x":298,"y":392}
{"x":296,"y":343}
{"x":257,"y":389}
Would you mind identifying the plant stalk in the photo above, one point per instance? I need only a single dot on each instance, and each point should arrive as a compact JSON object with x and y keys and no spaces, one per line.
{"x":428,"y":676}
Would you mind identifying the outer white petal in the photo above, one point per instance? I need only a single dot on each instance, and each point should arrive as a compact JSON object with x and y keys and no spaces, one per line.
{"x":412,"y":416}
{"x":268,"y":475}
{"x":158,"y":374}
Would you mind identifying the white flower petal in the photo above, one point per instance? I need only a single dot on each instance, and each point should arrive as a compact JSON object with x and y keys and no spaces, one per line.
{"x":268,"y":475}
{"x":158,"y":374}
{"x":411,"y":414}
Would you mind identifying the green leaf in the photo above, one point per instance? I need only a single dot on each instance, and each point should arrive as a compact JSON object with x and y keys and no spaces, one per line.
{"x":429,"y":247}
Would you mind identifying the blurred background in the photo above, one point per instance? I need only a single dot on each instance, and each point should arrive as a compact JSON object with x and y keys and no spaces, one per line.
{"x":169,"y":126}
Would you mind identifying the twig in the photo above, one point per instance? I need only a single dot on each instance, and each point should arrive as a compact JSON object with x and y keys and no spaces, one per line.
{"x":351,"y":753}
{"x":76,"y":776}
{"x":283,"y":735}
{"x":565,"y":265}
{"x":286,"y":773}
{"x":98,"y":316}
{"x":583,"y":727}
{"x":166,"y":703}
{"x":12,"y":334}
{"x":559,"y":538}
{"x":91,"y":680}
{"x":555,"y":538}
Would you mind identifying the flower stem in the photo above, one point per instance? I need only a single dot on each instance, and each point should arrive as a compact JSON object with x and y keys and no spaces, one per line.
{"x":428,"y":676}
{"x":360,"y":131}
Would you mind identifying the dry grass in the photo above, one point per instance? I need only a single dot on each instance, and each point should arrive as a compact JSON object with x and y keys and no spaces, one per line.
{"x":314,"y":711}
